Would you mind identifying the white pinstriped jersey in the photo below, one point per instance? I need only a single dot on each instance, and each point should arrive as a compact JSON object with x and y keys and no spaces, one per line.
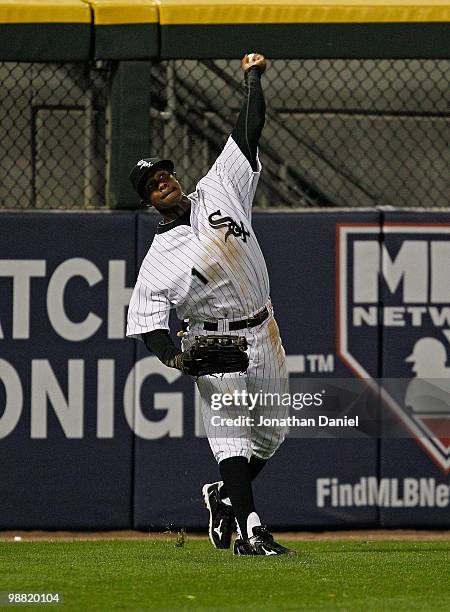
{"x":213,"y":268}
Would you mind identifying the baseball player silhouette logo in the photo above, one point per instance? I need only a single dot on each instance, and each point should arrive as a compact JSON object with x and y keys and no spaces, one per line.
{"x":429,"y":391}
{"x":428,"y":394}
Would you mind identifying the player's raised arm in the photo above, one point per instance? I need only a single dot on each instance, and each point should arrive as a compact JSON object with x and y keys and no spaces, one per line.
{"x":250,"y":122}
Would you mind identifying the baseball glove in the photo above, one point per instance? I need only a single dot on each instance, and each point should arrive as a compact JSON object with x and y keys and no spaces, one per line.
{"x":214,"y":355}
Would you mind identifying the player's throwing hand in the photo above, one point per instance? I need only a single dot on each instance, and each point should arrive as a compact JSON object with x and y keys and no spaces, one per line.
{"x":253,"y":59}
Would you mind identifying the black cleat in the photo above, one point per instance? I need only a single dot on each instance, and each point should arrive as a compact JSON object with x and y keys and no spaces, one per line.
{"x":221,"y":517}
{"x":262,"y":543}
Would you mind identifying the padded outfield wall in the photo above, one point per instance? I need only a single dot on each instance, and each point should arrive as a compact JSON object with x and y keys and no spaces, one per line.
{"x":69,"y":30}
{"x":96,"y":433}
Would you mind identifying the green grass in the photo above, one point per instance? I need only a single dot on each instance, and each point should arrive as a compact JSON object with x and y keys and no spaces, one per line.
{"x":157,"y":575}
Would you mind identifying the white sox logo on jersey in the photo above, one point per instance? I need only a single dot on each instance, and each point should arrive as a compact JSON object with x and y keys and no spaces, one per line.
{"x":394,"y":295}
{"x":239,"y":231}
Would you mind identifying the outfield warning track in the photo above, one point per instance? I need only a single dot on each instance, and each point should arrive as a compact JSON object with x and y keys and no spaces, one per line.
{"x":356,"y":535}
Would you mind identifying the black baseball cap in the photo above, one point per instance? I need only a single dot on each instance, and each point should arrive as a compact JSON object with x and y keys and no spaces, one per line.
{"x":142,"y":170}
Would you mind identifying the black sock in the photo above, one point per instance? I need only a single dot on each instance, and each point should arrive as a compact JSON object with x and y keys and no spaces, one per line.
{"x":235,"y":473}
{"x":255,"y":465}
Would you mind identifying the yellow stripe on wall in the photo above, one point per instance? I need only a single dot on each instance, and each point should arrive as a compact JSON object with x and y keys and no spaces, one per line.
{"x":177,"y":12}
{"x":190,"y":12}
{"x":44,"y":11}
{"x":116,"y":12}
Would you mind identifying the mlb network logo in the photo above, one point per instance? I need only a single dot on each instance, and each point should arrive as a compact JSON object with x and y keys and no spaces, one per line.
{"x":393,"y":322}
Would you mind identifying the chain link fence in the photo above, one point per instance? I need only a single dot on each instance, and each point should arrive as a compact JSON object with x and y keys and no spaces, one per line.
{"x":53,"y":135}
{"x":339,"y":133}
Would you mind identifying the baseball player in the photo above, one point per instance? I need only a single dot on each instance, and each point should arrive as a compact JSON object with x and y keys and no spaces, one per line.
{"x":205,"y":262}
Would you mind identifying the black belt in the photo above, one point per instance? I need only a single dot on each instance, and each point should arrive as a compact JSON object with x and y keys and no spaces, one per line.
{"x":257,"y":319}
